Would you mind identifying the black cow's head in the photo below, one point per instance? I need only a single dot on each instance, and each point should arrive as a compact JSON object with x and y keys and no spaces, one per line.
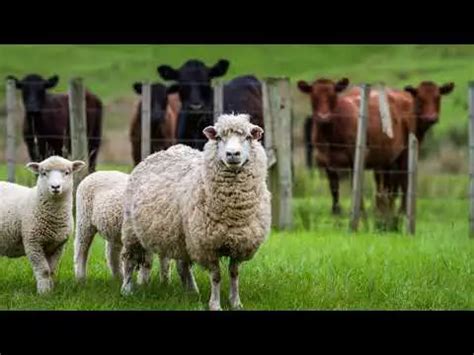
{"x":196,"y":95}
{"x":33,"y":89}
{"x":194,"y":81}
{"x":159,"y":94}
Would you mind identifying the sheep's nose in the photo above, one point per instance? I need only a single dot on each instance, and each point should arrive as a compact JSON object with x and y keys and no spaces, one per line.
{"x":232,"y":154}
{"x":55,"y":188}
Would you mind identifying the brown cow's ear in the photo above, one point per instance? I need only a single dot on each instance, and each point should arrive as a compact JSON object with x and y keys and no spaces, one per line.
{"x":168,"y":73}
{"x":341,"y":85}
{"x":51,"y":82}
{"x":210,"y":132}
{"x":410,"y":89}
{"x":304,"y":86}
{"x":219,"y":69}
{"x":18,"y":83}
{"x":137,"y":87}
{"x":446,"y":88}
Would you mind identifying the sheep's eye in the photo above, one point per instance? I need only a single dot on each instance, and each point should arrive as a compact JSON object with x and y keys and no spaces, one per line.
{"x":249,"y":137}
{"x":43,"y":173}
{"x":66,"y":173}
{"x":218,"y":138}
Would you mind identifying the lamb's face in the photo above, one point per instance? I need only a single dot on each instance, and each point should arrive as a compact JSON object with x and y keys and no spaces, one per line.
{"x":55,"y":175}
{"x":234,"y":136}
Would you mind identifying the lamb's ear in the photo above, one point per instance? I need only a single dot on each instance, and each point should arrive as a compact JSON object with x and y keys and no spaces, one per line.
{"x":34,"y":167}
{"x":210,"y":132}
{"x":77,"y":165}
{"x":257,"y":133}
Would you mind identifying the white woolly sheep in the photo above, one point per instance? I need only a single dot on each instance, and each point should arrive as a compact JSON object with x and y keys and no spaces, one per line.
{"x":37,"y":221}
{"x":99,"y":209}
{"x":198,"y":206}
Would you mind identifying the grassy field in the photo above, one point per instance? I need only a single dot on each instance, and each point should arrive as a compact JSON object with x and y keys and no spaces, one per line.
{"x":110,"y":71}
{"x":319,"y":265}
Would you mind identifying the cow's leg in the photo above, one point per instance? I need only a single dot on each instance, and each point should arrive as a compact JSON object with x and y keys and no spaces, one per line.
{"x":333,"y":178}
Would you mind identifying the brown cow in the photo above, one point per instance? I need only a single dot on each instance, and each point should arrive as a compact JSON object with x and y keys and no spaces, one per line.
{"x":334,"y":131}
{"x":165,"y":106}
{"x":424,"y":104}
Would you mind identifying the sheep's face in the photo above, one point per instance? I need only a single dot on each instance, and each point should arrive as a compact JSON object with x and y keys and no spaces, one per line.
{"x":234,"y":142}
{"x":55,"y":175}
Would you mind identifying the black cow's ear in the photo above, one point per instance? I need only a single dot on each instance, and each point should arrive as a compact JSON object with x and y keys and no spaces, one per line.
{"x":18,"y":83}
{"x":341,"y":85}
{"x":51,"y":82}
{"x":172,"y":89}
{"x":411,"y":90}
{"x":168,"y":73}
{"x":304,"y":86}
{"x":138,"y":88}
{"x":446,"y":88}
{"x":219,"y":69}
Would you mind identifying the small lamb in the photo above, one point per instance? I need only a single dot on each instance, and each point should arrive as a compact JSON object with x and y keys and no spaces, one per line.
{"x":36,"y":221}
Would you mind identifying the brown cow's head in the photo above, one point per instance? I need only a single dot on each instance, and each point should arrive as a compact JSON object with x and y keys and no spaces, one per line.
{"x":428,"y":100}
{"x":323,"y":94}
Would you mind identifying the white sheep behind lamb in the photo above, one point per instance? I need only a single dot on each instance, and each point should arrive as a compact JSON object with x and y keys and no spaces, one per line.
{"x":37,"y":221}
{"x":200,"y":206}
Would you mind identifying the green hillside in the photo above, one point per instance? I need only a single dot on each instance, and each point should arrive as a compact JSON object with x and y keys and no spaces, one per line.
{"x":109,"y":70}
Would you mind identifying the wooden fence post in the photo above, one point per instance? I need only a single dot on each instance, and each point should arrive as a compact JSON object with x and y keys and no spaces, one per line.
{"x":78,"y":124}
{"x":412,"y":174}
{"x":146,"y":120}
{"x":471,"y":158}
{"x":281,"y":183}
{"x":359,"y":163}
{"x":218,"y":99}
{"x":11,"y":128}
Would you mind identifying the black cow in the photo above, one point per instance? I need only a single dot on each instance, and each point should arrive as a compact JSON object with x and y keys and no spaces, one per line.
{"x":47,"y":119}
{"x":241,"y":95}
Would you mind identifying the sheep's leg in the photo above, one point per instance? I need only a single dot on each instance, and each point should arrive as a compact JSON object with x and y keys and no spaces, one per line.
{"x":186,"y":275}
{"x":113,"y":257}
{"x":234,"y":284}
{"x":82,"y":244}
{"x":144,"y":274}
{"x":165,"y":270}
{"x":215,"y":274}
{"x":54,"y":258}
{"x":39,"y":263}
{"x":129,"y":256}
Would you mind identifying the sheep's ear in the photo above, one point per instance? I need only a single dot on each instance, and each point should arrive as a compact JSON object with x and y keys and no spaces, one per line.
{"x":77,"y":165}
{"x":34,"y":167}
{"x":257,"y":133}
{"x":210,"y":132}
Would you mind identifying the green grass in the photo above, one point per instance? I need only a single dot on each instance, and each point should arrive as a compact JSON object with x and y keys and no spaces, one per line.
{"x":318,"y":265}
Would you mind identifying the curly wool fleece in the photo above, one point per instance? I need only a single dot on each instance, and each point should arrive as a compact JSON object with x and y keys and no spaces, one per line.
{"x":184,"y":204}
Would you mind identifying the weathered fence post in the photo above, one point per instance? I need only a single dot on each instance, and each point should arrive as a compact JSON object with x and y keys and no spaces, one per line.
{"x":359,"y":163}
{"x":218,"y":99}
{"x":146,"y":120}
{"x":412,"y":174}
{"x":277,"y":94}
{"x":11,"y":128}
{"x":77,"y":114}
{"x":471,"y":158}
